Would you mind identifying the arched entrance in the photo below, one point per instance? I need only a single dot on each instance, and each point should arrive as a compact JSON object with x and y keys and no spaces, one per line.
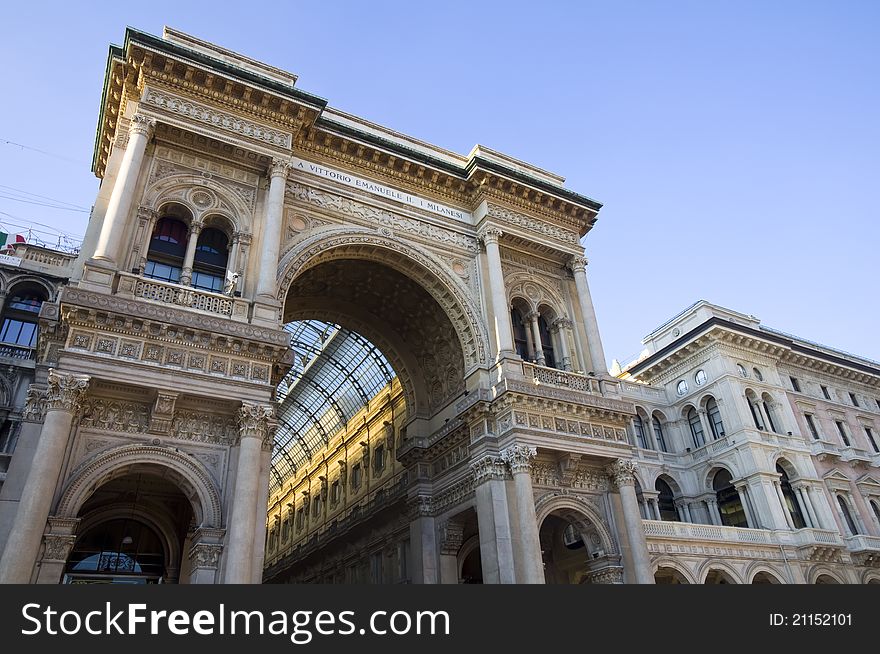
{"x":669,"y":576}
{"x":765,"y":578}
{"x":575,"y":549}
{"x":718,"y":576}
{"x":383,"y":340}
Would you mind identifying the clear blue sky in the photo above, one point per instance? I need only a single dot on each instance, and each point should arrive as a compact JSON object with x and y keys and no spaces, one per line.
{"x":733,"y":144}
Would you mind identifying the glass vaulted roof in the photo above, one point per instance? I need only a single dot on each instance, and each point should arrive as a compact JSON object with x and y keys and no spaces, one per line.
{"x":336,"y":372}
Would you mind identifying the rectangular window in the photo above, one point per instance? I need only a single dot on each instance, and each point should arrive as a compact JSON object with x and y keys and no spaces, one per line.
{"x":825,"y":392}
{"x":870,"y":434}
{"x":811,"y":423}
{"x":795,"y":384}
{"x":842,"y":430}
{"x":334,"y":492}
{"x":162,"y":271}
{"x":356,"y":476}
{"x":854,"y":399}
{"x":379,"y":459}
{"x":18,"y":332}
{"x":207,"y":282}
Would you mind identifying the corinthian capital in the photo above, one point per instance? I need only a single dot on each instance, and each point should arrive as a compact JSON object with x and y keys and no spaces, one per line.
{"x":279,"y":168}
{"x":141,"y":124}
{"x":65,"y":391}
{"x":486,"y":468}
{"x":519,"y":458}
{"x":578,"y":264}
{"x":490,"y":235}
{"x":256,"y":420}
{"x":623,"y":472}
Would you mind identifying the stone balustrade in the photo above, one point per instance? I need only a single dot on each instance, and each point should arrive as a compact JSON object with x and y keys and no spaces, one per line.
{"x":138,"y":287}
{"x":661,"y":529}
{"x":555,"y":377}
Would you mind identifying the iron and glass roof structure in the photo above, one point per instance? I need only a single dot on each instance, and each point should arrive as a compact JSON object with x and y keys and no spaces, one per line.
{"x":335,"y":374}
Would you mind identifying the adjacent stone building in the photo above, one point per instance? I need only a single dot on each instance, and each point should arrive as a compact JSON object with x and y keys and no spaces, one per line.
{"x":297,"y":346}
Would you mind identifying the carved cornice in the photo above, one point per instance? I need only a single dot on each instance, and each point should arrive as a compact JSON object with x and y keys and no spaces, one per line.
{"x":623,"y":472}
{"x":65,"y":391}
{"x":519,"y":458}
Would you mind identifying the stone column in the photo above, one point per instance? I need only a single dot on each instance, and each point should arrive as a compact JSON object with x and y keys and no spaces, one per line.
{"x":139,"y":131}
{"x":64,"y":398}
{"x":262,"y":502}
{"x":273,"y":217}
{"x":528,"y":543}
{"x":422,"y":541}
{"x":622,"y":474}
{"x":451,"y":539}
{"x":787,"y":514}
{"x":496,"y":546}
{"x":746,"y":504}
{"x":530,"y":343}
{"x":254,"y":424}
{"x":578,"y":267}
{"x":821,"y":509}
{"x":186,"y":273}
{"x":684,"y":511}
{"x":806,"y":509}
{"x":503,"y":332}
{"x":708,"y":435}
{"x":714,"y":513}
{"x":654,"y":504}
{"x":147,"y":219}
{"x":536,"y":337}
{"x":560,"y":326}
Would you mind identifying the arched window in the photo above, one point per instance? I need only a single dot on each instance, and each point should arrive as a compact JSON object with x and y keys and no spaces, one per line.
{"x":696,"y":427}
{"x":546,"y":343}
{"x":791,"y":503}
{"x":847,"y":516}
{"x":167,"y":250}
{"x":520,"y":340}
{"x":639,"y":428}
{"x":666,"y":501}
{"x":715,"y":422}
{"x":875,"y":507}
{"x":658,"y":434}
{"x":18,"y":333}
{"x":211,"y":258}
{"x":729,"y":504}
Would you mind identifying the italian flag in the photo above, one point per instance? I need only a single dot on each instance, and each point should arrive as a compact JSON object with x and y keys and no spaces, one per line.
{"x":8,"y":241}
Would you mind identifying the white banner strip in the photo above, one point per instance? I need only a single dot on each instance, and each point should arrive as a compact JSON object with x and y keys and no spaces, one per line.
{"x":379,"y":189}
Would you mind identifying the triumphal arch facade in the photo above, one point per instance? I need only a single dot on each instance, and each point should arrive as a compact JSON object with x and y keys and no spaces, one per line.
{"x":298,"y":346}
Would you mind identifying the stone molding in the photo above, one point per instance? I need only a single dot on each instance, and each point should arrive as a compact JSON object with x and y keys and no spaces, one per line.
{"x":519,"y":458}
{"x":622,"y":472}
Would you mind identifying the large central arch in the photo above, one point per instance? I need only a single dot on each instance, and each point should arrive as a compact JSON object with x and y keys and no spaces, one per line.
{"x":397,"y":296}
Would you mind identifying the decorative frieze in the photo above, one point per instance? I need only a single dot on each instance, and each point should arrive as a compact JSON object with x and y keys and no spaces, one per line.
{"x":205,"y":555}
{"x":381,"y":217}
{"x":562,"y":425}
{"x":534,"y":225}
{"x":216,"y":119}
{"x":57,"y":547}
{"x":451,"y":537}
{"x":115,"y":415}
{"x":204,"y":427}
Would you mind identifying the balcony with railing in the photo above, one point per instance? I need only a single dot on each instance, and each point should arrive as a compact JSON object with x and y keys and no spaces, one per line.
{"x":187,"y":297}
{"x":819,"y":542}
{"x":570,"y":380}
{"x":864,"y":549}
{"x":16,"y":352}
{"x":42,"y":259}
